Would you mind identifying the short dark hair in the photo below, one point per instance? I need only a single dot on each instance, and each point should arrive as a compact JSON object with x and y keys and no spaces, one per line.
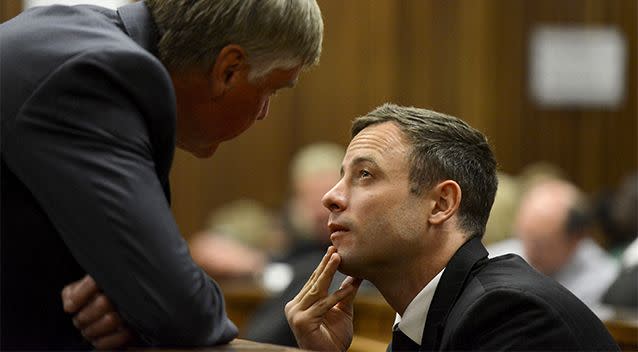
{"x":444,"y":148}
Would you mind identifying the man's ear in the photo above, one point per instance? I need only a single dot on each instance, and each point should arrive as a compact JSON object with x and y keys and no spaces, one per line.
{"x":447,"y":200}
{"x":229,"y":62}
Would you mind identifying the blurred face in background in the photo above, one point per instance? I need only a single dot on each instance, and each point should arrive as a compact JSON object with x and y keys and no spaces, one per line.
{"x":540,"y":225}
{"x":308,"y":192}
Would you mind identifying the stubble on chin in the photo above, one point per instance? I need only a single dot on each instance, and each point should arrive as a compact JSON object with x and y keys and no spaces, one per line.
{"x":346,"y":265}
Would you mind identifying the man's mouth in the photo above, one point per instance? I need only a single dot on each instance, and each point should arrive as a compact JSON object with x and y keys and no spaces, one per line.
{"x":336,"y":229}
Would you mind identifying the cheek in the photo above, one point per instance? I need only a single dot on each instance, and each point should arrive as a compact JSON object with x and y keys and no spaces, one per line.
{"x":379,"y":228}
{"x":255,"y":101}
{"x":246,"y":103}
{"x":240,"y":118}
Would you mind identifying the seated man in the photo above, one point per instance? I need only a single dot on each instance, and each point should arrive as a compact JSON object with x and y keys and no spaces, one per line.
{"x":408,"y":215}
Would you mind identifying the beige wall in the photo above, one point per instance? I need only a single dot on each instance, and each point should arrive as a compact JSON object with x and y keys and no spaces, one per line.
{"x":463,"y":57}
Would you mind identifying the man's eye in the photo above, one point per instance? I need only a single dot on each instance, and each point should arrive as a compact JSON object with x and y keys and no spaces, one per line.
{"x":364,"y":173}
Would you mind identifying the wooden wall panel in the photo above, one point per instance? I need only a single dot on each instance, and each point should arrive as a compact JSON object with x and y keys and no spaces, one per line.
{"x":9,"y":8}
{"x":596,"y":146}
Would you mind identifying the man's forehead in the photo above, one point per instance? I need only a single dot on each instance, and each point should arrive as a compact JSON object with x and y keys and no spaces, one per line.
{"x":376,"y":143}
{"x":379,"y":138}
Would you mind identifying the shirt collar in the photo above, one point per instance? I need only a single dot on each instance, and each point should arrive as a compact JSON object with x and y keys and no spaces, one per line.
{"x":413,"y":319}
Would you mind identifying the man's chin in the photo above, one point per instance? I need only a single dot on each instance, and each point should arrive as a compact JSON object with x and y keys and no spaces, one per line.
{"x":346,"y":267}
{"x":198,"y":151}
{"x":204,"y":153}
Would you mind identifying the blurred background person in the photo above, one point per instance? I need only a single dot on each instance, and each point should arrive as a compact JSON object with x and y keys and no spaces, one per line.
{"x":243,"y":239}
{"x":499,"y":224}
{"x":554,"y":226}
{"x":623,"y":215}
{"x":617,"y":216}
{"x":314,"y":170}
{"x":238,"y":241}
{"x":499,"y":232}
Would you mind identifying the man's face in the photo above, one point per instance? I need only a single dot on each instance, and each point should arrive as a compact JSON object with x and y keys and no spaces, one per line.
{"x":375,"y":222}
{"x":206,"y":117}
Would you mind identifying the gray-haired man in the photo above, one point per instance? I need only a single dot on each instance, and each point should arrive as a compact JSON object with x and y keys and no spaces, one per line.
{"x":93,"y":104}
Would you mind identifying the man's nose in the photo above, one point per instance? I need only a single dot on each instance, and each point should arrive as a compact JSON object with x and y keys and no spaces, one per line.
{"x":335,"y":199}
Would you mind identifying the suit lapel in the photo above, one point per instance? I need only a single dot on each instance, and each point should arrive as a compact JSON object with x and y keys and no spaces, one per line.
{"x":449,"y":288}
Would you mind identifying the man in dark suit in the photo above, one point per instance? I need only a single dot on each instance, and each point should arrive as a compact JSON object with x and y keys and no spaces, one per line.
{"x":93,"y":103}
{"x":408,"y":214}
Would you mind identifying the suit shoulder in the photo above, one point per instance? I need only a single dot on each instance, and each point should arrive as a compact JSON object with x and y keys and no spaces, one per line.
{"x":45,"y":38}
{"x":510,"y":276}
{"x":46,"y":43}
{"x":507,"y":300}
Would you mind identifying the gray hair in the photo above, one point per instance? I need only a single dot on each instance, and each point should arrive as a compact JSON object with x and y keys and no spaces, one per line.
{"x":444,"y":148}
{"x":274,"y":33}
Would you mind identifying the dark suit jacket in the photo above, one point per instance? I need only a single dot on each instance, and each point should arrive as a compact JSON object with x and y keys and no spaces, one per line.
{"x":504,"y":304}
{"x":88,"y":135}
{"x":623,"y":292}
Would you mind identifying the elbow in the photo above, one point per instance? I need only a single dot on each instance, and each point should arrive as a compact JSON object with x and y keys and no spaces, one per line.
{"x":194,"y":327}
{"x":193,"y":322}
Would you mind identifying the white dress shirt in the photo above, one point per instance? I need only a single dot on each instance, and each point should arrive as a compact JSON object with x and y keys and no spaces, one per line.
{"x":413,"y":319}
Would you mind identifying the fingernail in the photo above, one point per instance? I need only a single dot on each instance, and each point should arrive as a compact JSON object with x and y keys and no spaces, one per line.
{"x":346,"y":282}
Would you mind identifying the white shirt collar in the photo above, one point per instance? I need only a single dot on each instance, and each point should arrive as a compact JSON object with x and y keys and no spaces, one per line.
{"x":416,"y":313}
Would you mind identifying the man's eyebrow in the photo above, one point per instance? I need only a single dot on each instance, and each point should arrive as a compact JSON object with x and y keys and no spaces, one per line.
{"x":360,"y":160}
